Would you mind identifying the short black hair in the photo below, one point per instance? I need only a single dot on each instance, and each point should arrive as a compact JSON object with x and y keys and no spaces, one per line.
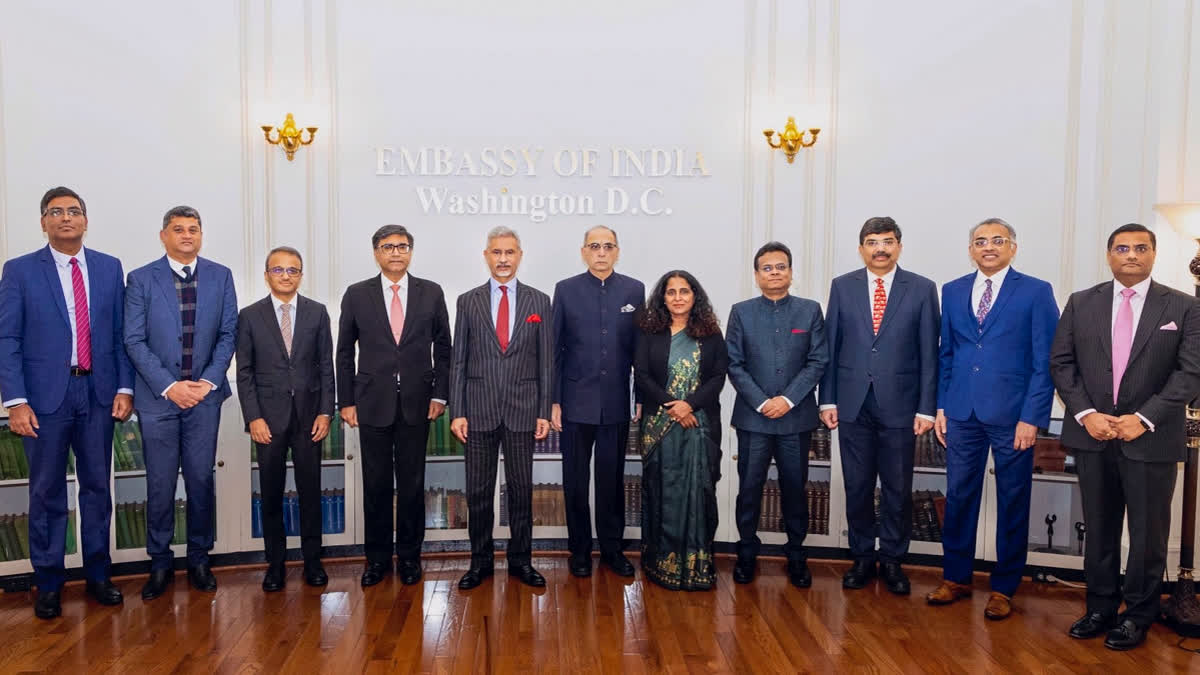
{"x":60,"y":191}
{"x":182,"y":212}
{"x":878,"y":225}
{"x":1133,"y":227}
{"x":771,"y":247}
{"x":389,"y":231}
{"x":285,"y":249}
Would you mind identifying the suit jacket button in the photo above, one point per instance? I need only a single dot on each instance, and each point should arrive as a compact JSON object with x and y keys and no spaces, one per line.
{"x":874,"y":350}
{"x":976,"y":369}
{"x":979,"y":346}
{"x":603,"y":372}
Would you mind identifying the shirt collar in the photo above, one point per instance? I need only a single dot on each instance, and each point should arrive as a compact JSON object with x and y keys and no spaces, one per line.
{"x":177,"y":267}
{"x":776,"y":303}
{"x":887,"y":278}
{"x":511,"y":284}
{"x":63,"y":260}
{"x":387,"y":283}
{"x":277,"y":303}
{"x":1140,"y":289}
{"x":997,"y":278}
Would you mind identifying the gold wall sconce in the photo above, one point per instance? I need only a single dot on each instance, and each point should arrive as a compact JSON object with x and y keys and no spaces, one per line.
{"x":289,"y":136}
{"x":791,"y":140}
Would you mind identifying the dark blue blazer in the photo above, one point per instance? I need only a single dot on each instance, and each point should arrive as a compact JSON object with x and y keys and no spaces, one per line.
{"x":1002,"y":372}
{"x":35,"y":333}
{"x":776,"y":348}
{"x":595,"y":339}
{"x":900,"y":362}
{"x":154,"y":330}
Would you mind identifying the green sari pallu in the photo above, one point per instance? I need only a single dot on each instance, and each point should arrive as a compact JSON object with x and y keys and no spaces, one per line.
{"x":679,"y":505}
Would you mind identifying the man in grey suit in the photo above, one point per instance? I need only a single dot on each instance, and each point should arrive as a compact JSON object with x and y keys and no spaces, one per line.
{"x":500,"y":395}
{"x":1126,"y":362}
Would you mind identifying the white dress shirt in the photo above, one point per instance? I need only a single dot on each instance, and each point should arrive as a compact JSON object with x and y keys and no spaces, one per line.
{"x":1136,"y":303}
{"x":387,"y":304}
{"x":981,"y":286}
{"x":512,"y":302}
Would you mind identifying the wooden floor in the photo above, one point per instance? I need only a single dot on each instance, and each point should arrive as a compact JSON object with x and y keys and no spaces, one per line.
{"x":602,"y":625}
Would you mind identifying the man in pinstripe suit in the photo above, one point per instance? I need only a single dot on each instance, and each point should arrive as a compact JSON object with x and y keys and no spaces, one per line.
{"x":1126,"y":361}
{"x":500,"y":395}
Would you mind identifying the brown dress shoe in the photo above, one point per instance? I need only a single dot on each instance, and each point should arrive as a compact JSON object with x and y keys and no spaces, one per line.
{"x":999,"y":606}
{"x":947,"y":593}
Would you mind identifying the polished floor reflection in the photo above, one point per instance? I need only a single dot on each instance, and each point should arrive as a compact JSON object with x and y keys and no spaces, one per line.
{"x":604,"y":624}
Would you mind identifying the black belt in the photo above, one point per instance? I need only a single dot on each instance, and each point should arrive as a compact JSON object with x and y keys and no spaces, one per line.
{"x":76,"y":371}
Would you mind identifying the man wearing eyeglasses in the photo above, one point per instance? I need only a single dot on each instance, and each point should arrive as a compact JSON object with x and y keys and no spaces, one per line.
{"x":994,"y":392}
{"x":595,"y":338}
{"x":1126,"y":361}
{"x":777,"y":353}
{"x":401,"y":328}
{"x":880,"y":390}
{"x":64,"y":378}
{"x":285,"y":385}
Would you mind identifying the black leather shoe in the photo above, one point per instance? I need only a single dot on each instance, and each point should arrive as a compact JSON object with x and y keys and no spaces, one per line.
{"x":156,"y":585}
{"x":274,"y":578}
{"x":375,"y":572}
{"x":527,"y":575}
{"x":1092,"y":624}
{"x":410,"y":571}
{"x":743,"y":571}
{"x":105,"y":592}
{"x":894,"y":577}
{"x":473,"y":578}
{"x":618,"y":563}
{"x":580,"y":566}
{"x":861,"y":572}
{"x":1125,"y":636}
{"x":48,"y":605}
{"x":202,"y":579}
{"x":798,"y":573}
{"x":314,"y":574}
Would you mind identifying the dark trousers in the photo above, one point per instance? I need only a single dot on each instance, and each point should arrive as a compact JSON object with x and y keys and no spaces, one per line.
{"x":1110,"y":485}
{"x":86,"y":426}
{"x":872,"y":451}
{"x":967,"y":443}
{"x":187,"y":440}
{"x":755,"y":451}
{"x":577,"y":441}
{"x":483,"y":449}
{"x":272,"y":474}
{"x":394,"y":453}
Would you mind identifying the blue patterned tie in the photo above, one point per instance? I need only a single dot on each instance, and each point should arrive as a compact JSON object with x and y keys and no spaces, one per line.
{"x":985,"y":303}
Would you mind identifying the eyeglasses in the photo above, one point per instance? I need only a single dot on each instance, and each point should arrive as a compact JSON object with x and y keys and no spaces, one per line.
{"x":1140,"y":249}
{"x":994,"y":241}
{"x":280,"y":271}
{"x":767,"y":269}
{"x":595,"y":246}
{"x":58,"y":212}
{"x":395,"y":248}
{"x":879,"y":243}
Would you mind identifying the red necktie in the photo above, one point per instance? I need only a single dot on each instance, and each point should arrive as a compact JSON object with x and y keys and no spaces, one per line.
{"x":502,"y":319}
{"x":878,"y":306}
{"x":83,"y":321}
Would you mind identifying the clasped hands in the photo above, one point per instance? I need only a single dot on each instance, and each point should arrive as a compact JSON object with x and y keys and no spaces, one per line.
{"x":186,"y":393}
{"x":1107,"y":427}
{"x":681,"y":412}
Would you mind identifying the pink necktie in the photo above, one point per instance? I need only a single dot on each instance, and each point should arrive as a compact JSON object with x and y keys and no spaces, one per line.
{"x":397,"y":318}
{"x":1122,"y":340}
{"x":83,"y":321}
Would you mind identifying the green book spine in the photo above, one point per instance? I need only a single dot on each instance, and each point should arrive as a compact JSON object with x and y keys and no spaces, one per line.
{"x":180,"y":522}
{"x":71,"y":463}
{"x":22,"y":461}
{"x":8,"y":460}
{"x":70,"y":533}
{"x":21,"y":524}
{"x":133,"y":441}
{"x":118,"y":449}
{"x":8,"y":551}
{"x":139,"y":523}
{"x":124,"y":536}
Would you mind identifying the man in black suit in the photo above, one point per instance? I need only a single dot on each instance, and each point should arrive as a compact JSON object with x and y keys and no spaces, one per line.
{"x":285,"y":385}
{"x":1126,"y":362}
{"x":500,"y":386}
{"x":402,"y":331}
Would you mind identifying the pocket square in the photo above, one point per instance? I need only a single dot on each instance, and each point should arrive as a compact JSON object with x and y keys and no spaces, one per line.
{"x":798,"y":330}
{"x":1170,"y":326}
{"x":627,"y":308}
{"x":533,"y":318}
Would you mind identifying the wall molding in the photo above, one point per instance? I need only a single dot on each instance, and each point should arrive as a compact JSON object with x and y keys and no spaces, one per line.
{"x":835,"y":76}
{"x":1070,"y":213}
{"x":334,"y":248}
{"x":772,"y":80}
{"x":1103,"y":146}
{"x":247,"y":147}
{"x":1185,"y":113}
{"x":748,"y":144}
{"x":3,"y":169}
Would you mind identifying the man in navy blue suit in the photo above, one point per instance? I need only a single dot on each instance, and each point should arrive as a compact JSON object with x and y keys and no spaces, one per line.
{"x":880,"y":390}
{"x":64,"y":378}
{"x":994,"y":391}
{"x":180,"y":332}
{"x":777,"y":353}
{"x":595,"y":339}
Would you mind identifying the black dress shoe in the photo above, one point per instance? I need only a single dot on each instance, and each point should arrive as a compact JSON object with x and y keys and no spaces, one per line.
{"x":743,"y":571}
{"x":1126,"y":635}
{"x":314,"y":574}
{"x":894,"y":577}
{"x":618,"y":563}
{"x":473,"y":578}
{"x":105,"y":592}
{"x":202,"y":579}
{"x":580,"y":566}
{"x":374,"y":573}
{"x":156,"y":585}
{"x":273,"y":580}
{"x":798,"y":573}
{"x":410,"y":571}
{"x":1092,"y":624}
{"x":48,"y":604}
{"x":862,"y":571}
{"x":527,"y":575}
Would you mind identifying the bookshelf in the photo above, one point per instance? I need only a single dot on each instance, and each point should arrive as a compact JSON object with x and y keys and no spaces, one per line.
{"x":14,"y":506}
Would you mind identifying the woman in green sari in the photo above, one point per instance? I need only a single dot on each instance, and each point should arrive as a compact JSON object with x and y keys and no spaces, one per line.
{"x":680,"y":371}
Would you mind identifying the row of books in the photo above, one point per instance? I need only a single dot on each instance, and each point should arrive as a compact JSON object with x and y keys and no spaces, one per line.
{"x":770,"y":518}
{"x":333,"y":447}
{"x":633,"y":500}
{"x":333,"y":513}
{"x":445,"y":509}
{"x":549,"y":507}
{"x":14,"y":536}
{"x":13,"y":462}
{"x":928,"y":514}
{"x":131,"y":524}
{"x":128,"y":453}
{"x":929,"y":452}
{"x":820,"y":444}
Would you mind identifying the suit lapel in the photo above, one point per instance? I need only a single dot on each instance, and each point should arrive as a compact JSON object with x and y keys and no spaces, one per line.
{"x":1001,"y":300}
{"x":899,"y":287}
{"x":1152,"y":311}
{"x":521,"y":311}
{"x":863,"y":304}
{"x":1104,"y":296}
{"x":483,"y":305}
{"x":415,"y":289}
{"x":54,"y":283}
{"x":266,"y":312}
{"x":378,"y":303}
{"x":164,"y":278}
